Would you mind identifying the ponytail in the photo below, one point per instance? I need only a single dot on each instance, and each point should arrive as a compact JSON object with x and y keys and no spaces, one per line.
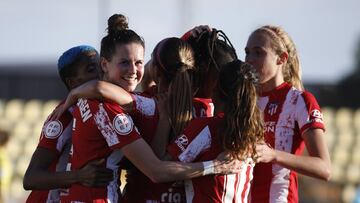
{"x":180,"y":101}
{"x":174,"y":60}
{"x":243,"y":126}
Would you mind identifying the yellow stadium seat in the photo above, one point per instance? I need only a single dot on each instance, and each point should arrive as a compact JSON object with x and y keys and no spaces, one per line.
{"x":355,"y":156}
{"x":14,"y":110}
{"x":330,"y":138}
{"x":14,"y":149}
{"x":348,"y":193}
{"x":33,"y":110}
{"x":357,"y":120}
{"x":48,"y":107}
{"x":2,"y":107}
{"x":340,"y":155}
{"x":353,"y":173}
{"x":30,"y":147}
{"x":345,"y":138}
{"x":337,"y":173}
{"x":21,"y":165}
{"x":21,"y":131}
{"x":329,"y":114}
{"x":343,"y":118}
{"x":18,"y":193}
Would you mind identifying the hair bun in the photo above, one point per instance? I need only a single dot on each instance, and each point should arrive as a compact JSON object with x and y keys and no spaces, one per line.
{"x":116,"y":23}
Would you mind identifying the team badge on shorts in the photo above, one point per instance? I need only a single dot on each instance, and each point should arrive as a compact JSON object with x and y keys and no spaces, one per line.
{"x":123,"y":124}
{"x":53,"y":129}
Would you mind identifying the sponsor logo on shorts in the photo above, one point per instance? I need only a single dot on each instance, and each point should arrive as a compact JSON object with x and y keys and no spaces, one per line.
{"x":53,"y":129}
{"x":123,"y":124}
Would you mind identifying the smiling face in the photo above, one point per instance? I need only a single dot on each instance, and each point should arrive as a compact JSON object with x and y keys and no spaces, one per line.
{"x":261,"y":55}
{"x":126,"y":67}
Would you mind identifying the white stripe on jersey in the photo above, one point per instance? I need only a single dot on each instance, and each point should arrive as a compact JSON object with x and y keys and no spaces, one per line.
{"x":284,"y":137}
{"x":229,"y":182}
{"x":199,"y":144}
{"x":189,"y":190}
{"x":104,"y":125}
{"x":241,"y":183}
{"x":63,"y":145}
{"x":145,"y":105}
{"x":262,"y":102}
{"x":112,"y":162}
{"x":65,"y":137}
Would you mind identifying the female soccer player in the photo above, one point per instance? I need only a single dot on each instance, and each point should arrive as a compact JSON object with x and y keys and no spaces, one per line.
{"x":103,"y":130}
{"x":292,"y":119}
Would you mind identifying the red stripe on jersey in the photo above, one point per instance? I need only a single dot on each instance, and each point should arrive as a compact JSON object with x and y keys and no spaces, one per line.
{"x":245,"y":192}
{"x":287,"y":113}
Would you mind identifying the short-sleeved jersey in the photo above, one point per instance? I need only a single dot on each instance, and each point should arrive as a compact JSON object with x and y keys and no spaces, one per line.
{"x":287,"y":113}
{"x":100,"y":130}
{"x":140,"y":188}
{"x":203,"y":107}
{"x":201,"y":141}
{"x":56,"y":137}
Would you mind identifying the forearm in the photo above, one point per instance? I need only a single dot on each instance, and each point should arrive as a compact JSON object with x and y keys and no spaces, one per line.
{"x":307,"y":165}
{"x":167,"y":171}
{"x":141,"y":155}
{"x":46,"y":180}
{"x":96,"y":89}
{"x":115,"y":93}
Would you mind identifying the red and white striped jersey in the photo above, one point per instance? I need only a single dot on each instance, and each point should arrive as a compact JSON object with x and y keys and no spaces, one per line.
{"x":140,"y":188}
{"x":287,"y":112}
{"x":56,"y":137}
{"x":100,"y":130}
{"x":201,"y":141}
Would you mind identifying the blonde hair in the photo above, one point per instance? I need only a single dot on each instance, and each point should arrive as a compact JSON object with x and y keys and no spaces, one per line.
{"x":281,"y":42}
{"x":175,"y":61}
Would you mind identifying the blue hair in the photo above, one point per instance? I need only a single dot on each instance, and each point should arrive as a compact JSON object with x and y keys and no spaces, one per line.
{"x":72,"y":54}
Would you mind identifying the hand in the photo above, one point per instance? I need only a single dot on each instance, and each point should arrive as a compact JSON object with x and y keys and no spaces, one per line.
{"x":225,"y":164}
{"x":196,"y":31}
{"x":265,"y":153}
{"x":70,"y":100}
{"x":94,"y":174}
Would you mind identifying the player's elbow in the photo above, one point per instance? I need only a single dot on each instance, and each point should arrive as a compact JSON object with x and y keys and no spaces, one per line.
{"x":27,"y":183}
{"x":326,"y":174}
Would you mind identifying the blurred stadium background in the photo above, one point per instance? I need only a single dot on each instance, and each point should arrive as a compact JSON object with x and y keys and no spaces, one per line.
{"x":30,"y":87}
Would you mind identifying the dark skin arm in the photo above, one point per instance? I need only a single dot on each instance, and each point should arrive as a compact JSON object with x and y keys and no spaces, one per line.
{"x":38,"y":177}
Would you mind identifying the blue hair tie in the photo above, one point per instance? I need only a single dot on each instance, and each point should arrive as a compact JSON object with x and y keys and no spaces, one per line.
{"x":71,"y":54}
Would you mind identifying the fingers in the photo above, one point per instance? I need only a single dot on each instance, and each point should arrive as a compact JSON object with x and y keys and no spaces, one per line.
{"x":196,"y":31}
